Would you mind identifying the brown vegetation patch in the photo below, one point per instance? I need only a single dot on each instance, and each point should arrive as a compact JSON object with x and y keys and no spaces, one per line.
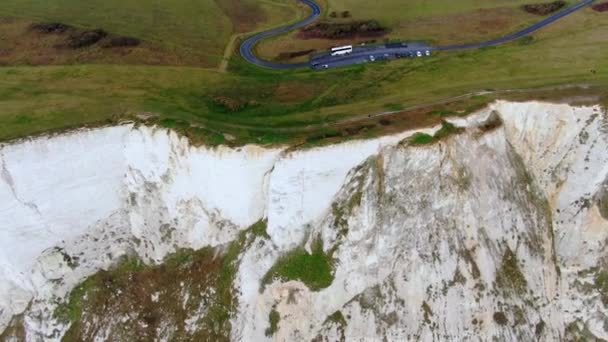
{"x":603,"y":7}
{"x":25,"y":43}
{"x":294,"y":54}
{"x":233,"y":104}
{"x":15,"y":331}
{"x":51,"y":27}
{"x":135,"y":302}
{"x":85,"y":38}
{"x":330,"y":30}
{"x":545,"y":8}
{"x":500,"y":318}
{"x":491,"y":123}
{"x":343,"y":14}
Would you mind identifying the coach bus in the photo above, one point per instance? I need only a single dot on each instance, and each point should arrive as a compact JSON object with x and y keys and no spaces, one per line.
{"x":341,"y":50}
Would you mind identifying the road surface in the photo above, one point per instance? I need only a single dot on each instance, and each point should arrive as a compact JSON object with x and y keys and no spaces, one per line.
{"x":248,"y":45}
{"x":365,"y":54}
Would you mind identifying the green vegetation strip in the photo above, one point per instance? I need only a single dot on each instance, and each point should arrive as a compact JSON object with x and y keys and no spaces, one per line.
{"x":264,"y":106}
{"x":314,"y":270}
{"x":273,"y":318}
{"x":446,"y":130}
{"x":509,"y":276}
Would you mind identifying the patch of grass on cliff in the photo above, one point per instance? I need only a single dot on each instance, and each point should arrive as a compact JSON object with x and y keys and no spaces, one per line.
{"x":314,"y":270}
{"x":154,"y":295}
{"x":337,"y":318}
{"x":259,"y":229}
{"x":509,"y":276}
{"x":273,"y":319}
{"x":422,"y":139}
{"x":601,"y":284}
{"x":72,"y":310}
{"x":446,"y":130}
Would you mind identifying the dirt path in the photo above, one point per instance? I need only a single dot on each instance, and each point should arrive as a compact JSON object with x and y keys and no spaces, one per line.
{"x":230,"y":47}
{"x":228,"y":52}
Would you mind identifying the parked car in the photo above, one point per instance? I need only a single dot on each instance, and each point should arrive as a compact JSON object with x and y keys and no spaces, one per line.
{"x":418,"y":54}
{"x":372,"y":58}
{"x":427,"y":52}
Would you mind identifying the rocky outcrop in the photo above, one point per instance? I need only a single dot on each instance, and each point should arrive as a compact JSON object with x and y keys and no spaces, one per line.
{"x":497,"y":229}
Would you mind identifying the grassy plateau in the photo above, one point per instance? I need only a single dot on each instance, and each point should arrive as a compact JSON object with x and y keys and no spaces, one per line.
{"x":249,"y":104}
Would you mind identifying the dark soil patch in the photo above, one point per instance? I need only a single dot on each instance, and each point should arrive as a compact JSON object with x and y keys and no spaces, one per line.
{"x":86,"y":38}
{"x":603,"y":7}
{"x":509,"y":276}
{"x":493,"y":122}
{"x":385,"y":122}
{"x":545,"y":8}
{"x":50,"y":27}
{"x":120,"y":42}
{"x":328,"y":30}
{"x":294,"y":54}
{"x":500,"y":318}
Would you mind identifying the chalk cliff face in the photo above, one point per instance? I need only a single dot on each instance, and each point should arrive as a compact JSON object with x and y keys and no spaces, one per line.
{"x":499,"y":229}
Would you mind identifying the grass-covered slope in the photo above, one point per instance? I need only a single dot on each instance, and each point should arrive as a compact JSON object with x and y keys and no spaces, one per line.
{"x":248,"y":104}
{"x":180,"y":31}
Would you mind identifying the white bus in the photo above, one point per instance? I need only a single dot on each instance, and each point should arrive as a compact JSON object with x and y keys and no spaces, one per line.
{"x":341,"y":50}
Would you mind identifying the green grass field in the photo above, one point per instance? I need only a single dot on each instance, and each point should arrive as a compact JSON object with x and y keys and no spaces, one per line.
{"x":396,"y":11}
{"x":189,"y":29}
{"x":256,"y":105}
{"x":441,"y":23}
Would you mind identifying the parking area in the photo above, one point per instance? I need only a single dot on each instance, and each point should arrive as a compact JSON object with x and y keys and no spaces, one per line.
{"x":367,"y":54}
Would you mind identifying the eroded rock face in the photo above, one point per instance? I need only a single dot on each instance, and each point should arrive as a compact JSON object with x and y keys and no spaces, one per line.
{"x":498,"y":230}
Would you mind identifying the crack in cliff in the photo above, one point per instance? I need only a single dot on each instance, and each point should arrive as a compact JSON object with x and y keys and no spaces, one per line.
{"x":7,"y":177}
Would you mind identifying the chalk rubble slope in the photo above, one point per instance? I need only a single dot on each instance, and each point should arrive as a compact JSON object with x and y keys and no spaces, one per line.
{"x":498,"y":231}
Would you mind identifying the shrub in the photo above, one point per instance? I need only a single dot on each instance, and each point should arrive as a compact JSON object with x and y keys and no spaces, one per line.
{"x":331,"y":30}
{"x":51,"y":27}
{"x":273,"y":318}
{"x":86,"y":38}
{"x":603,"y":7}
{"x":500,"y":318}
{"x":544,"y":8}
{"x":421,"y":139}
{"x":314,"y":270}
{"x":509,"y":275}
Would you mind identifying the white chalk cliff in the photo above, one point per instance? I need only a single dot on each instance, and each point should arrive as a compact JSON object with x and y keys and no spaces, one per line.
{"x":498,"y":231}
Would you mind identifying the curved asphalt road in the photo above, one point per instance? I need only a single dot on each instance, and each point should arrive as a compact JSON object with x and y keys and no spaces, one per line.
{"x":361,"y":55}
{"x":247,"y":46}
{"x":520,"y":34}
